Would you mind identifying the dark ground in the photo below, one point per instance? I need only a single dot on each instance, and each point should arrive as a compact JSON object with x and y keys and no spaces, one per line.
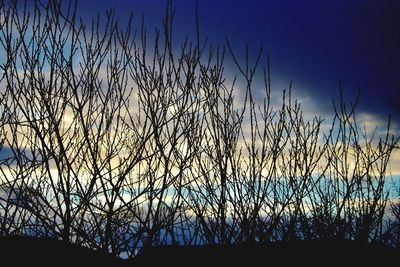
{"x":299,"y":253}
{"x":31,"y":252}
{"x":44,"y":252}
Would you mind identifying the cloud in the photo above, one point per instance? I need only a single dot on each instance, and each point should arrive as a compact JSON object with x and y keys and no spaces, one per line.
{"x":374,"y":123}
{"x":394,"y":166}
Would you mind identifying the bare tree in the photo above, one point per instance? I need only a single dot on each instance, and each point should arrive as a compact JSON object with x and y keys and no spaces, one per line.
{"x":120,"y":141}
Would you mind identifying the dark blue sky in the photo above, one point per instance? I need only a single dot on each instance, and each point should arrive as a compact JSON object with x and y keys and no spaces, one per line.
{"x":314,"y":43}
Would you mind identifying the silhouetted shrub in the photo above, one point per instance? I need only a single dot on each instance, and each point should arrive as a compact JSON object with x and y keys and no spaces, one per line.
{"x":117,"y":143}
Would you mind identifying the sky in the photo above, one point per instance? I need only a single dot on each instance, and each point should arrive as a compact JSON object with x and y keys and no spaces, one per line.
{"x":313,"y":43}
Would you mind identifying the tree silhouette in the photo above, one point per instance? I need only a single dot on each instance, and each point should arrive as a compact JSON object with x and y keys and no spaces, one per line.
{"x":121,"y":142}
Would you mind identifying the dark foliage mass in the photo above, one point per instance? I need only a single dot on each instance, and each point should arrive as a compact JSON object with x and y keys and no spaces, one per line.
{"x":118,"y":140}
{"x":30,"y":251}
{"x":283,"y":253}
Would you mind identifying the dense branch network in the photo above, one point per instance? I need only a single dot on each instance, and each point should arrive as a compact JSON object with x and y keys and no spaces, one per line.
{"x":116,"y":140}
